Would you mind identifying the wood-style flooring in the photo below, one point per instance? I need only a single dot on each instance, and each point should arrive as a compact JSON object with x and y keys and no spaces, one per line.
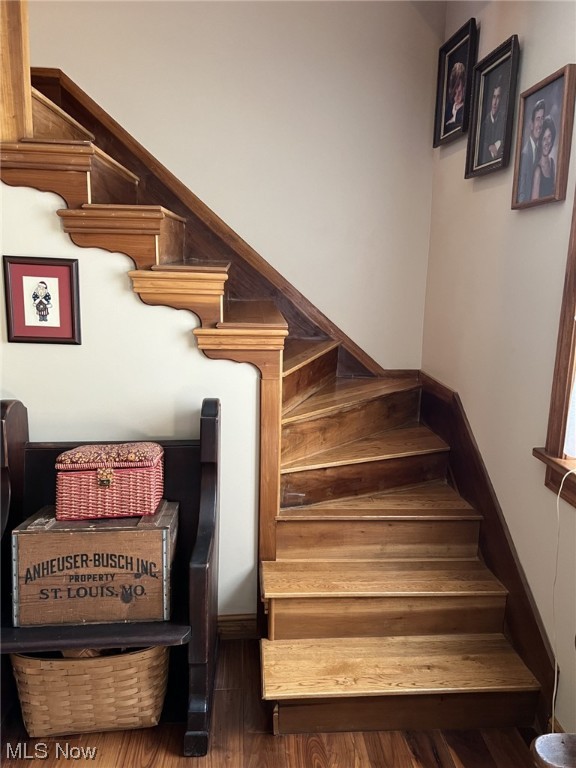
{"x":242,"y":738}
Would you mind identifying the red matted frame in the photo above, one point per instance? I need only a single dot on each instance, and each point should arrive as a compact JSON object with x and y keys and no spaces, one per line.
{"x":50,"y":318}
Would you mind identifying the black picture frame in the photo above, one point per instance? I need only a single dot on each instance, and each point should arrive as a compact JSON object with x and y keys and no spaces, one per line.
{"x":493,"y":100}
{"x":456,"y":59}
{"x":42,"y":300}
{"x":546,"y":112}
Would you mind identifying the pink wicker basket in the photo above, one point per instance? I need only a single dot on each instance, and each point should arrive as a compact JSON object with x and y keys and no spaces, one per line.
{"x":109,"y":480}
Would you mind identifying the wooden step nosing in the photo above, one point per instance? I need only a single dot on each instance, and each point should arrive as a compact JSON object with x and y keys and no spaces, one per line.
{"x":376,"y":457}
{"x":129,"y":211}
{"x":414,"y":691}
{"x":398,"y":594}
{"x":222,"y":267}
{"x":284,"y":516}
{"x":388,"y":559}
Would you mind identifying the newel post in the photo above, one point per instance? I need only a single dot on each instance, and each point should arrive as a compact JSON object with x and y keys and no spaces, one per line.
{"x":16,"y":114}
{"x":262,"y":348}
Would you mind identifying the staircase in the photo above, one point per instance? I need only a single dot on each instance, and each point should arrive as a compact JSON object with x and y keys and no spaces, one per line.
{"x":391,"y":601}
{"x":381,"y":614}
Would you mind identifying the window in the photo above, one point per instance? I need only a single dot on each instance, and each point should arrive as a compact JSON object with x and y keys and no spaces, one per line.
{"x":559,"y":454}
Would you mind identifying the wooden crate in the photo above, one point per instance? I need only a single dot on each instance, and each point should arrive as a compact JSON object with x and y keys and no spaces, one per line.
{"x":93,"y":571}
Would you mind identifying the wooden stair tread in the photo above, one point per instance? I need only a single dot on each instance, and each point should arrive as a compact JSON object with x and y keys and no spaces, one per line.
{"x":391,"y":666}
{"x":345,"y":392}
{"x":395,"y":578}
{"x":434,"y":500}
{"x":394,"y":443}
{"x":107,"y":218}
{"x":252,"y":314}
{"x":95,"y":210}
{"x":298,"y":352}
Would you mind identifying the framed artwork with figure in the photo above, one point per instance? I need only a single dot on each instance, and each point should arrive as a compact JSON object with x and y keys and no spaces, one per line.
{"x":492,"y":121}
{"x":42,"y":303}
{"x":455,"y":63}
{"x":545,"y":125}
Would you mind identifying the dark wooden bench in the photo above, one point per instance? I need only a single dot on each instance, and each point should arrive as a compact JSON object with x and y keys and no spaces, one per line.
{"x":191,"y":478}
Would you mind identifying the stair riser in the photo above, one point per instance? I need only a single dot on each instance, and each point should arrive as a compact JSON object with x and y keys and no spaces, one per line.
{"x":109,"y":186}
{"x":308,"y":437}
{"x":293,"y":618}
{"x":353,"y":539}
{"x":315,"y":485}
{"x":304,"y":381}
{"x":399,"y":713}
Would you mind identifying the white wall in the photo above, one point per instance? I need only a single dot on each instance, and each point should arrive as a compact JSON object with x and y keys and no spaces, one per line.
{"x":495,"y":281}
{"x":137,"y":374}
{"x":305,"y":125}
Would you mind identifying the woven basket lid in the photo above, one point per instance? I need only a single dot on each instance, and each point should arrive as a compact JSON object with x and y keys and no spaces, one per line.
{"x":117,"y":455}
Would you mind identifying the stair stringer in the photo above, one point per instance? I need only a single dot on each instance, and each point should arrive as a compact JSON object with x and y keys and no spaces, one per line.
{"x":442,"y":411}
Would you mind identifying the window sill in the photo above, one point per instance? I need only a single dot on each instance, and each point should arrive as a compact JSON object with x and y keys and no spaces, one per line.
{"x":555,"y":470}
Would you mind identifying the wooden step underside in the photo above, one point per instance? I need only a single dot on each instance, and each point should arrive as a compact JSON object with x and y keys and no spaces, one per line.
{"x":396,"y":682}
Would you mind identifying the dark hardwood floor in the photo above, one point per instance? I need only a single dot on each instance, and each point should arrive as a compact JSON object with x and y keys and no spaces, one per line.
{"x":242,"y":738}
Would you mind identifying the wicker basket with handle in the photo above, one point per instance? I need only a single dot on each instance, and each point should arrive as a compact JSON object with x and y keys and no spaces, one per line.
{"x":109,"y":480}
{"x":104,"y":693}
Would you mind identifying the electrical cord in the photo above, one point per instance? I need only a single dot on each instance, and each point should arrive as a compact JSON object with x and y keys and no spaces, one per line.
{"x":554,"y":639}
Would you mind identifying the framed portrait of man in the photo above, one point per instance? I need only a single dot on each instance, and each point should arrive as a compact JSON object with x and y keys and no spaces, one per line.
{"x":493,"y":95}
{"x":455,"y":63}
{"x":545,"y":123}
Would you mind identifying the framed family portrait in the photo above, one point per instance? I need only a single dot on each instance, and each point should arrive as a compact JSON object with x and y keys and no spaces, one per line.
{"x":545,"y":124}
{"x":42,"y":303}
{"x":455,"y":63}
{"x":492,"y":120}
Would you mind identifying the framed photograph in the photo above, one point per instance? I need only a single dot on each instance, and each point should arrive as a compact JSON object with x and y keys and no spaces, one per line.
{"x":492,"y":120}
{"x":455,"y":63}
{"x":42,"y":300}
{"x":544,"y":139}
